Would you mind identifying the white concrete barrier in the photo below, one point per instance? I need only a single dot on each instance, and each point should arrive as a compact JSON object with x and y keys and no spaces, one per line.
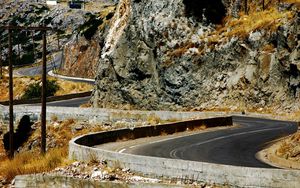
{"x":101,"y":115}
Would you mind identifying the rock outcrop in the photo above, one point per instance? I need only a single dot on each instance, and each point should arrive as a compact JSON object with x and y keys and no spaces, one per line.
{"x":161,"y":55}
{"x":81,"y":58}
{"x":82,"y":52}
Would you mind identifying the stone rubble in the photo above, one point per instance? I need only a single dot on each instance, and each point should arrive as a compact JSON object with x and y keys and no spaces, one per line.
{"x":100,"y":171}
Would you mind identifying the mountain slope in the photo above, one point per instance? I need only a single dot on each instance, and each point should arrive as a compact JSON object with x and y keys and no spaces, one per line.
{"x":161,"y":55}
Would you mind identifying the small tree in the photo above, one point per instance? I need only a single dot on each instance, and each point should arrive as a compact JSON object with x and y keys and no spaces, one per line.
{"x":35,"y":90}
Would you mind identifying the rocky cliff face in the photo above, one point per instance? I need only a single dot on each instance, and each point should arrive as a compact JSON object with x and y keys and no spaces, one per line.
{"x":82,"y":52}
{"x":81,"y":58}
{"x":161,"y":54}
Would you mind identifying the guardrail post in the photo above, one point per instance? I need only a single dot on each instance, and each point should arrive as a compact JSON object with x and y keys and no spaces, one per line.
{"x":11,"y":110}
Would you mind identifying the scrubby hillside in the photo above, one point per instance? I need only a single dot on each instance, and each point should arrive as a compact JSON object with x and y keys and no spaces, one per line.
{"x":164,"y":54}
{"x":80,"y":32}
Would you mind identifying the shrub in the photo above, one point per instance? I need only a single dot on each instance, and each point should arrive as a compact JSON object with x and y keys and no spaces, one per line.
{"x":90,"y":27}
{"x":35,"y":90}
{"x":214,"y":11}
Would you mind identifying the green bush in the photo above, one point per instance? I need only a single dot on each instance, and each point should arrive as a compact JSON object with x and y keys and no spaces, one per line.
{"x":35,"y":90}
{"x":90,"y":27}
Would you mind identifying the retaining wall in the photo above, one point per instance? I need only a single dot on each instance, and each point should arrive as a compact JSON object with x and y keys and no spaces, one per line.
{"x":100,"y":115}
{"x":50,"y":181}
{"x":222,"y":174}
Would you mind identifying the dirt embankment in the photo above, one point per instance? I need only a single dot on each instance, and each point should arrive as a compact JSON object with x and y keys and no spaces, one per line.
{"x":284,"y":153}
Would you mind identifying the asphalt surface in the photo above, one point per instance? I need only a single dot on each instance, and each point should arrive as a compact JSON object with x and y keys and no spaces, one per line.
{"x":76,"y":102}
{"x":37,"y":70}
{"x":234,"y":146}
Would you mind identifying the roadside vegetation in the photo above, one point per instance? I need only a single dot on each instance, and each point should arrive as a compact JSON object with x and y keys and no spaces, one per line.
{"x":32,"y":162}
{"x":34,"y":90}
{"x":28,"y":160}
{"x":269,"y":19}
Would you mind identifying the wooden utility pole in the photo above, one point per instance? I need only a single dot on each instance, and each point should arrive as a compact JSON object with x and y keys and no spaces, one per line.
{"x":1,"y":62}
{"x":19,"y":53}
{"x":33,"y":45}
{"x":246,"y":6}
{"x":44,"y":81}
{"x":11,"y":109}
{"x":263,"y":4}
{"x":58,"y":46}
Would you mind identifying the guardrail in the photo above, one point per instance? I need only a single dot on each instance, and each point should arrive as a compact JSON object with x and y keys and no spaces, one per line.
{"x":80,"y":149}
{"x":147,"y":131}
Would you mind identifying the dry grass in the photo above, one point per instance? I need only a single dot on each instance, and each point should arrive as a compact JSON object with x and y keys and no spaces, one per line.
{"x":269,"y":19}
{"x":293,"y":115}
{"x":33,"y":162}
{"x":152,"y":119}
{"x":256,"y":20}
{"x":86,"y":105}
{"x":68,"y":87}
{"x":269,"y":48}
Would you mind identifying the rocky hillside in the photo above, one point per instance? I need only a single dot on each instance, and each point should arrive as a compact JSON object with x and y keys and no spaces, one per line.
{"x":80,"y":33}
{"x":27,"y":44}
{"x":186,"y":54}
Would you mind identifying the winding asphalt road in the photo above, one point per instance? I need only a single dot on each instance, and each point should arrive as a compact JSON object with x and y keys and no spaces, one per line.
{"x":34,"y":71}
{"x":37,"y":70}
{"x":235,"y":146}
